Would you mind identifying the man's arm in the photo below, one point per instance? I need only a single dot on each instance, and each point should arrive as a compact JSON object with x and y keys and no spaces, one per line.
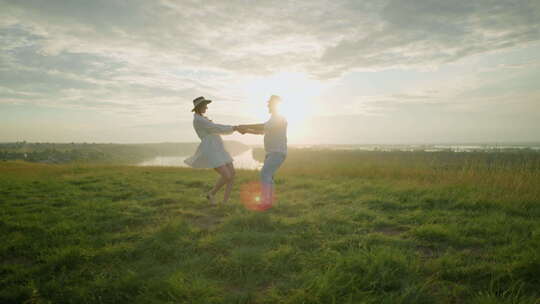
{"x":253,"y":131}
{"x":253,"y":126}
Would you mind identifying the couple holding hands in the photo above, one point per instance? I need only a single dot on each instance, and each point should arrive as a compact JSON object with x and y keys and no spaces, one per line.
{"x":212,"y":154}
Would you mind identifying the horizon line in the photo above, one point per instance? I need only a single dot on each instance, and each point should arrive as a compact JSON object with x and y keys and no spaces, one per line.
{"x":537,"y":142}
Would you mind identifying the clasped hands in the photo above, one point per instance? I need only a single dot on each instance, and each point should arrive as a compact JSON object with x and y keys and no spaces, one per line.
{"x":241,"y":129}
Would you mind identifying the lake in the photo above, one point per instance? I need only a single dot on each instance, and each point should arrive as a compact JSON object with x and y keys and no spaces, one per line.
{"x":243,"y":160}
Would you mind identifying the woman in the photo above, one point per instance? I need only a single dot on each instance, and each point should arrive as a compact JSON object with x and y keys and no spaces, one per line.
{"x":211,"y":152}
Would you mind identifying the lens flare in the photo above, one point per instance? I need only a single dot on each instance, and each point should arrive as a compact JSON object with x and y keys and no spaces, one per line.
{"x":252,"y":199}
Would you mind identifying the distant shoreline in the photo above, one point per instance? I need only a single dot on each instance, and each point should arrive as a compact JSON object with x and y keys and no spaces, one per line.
{"x":480,"y":143}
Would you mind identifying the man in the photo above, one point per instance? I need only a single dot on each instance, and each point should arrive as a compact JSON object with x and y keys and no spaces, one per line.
{"x":275,"y":146}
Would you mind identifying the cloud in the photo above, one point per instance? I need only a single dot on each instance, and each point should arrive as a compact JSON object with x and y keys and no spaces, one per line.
{"x":424,"y":33}
{"x":324,"y":38}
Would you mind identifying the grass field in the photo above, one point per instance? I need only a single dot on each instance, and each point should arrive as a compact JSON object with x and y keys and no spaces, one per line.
{"x":348,"y":227}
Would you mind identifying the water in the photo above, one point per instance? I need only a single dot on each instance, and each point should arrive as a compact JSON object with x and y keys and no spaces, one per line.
{"x":243,"y":160}
{"x":430,"y":147}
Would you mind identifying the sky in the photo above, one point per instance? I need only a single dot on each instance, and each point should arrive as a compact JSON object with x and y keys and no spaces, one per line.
{"x":349,"y":71}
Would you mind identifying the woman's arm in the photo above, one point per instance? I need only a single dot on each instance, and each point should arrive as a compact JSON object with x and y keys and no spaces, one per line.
{"x":215,"y":128}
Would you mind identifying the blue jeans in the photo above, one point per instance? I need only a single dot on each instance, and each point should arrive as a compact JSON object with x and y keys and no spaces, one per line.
{"x":272,"y":162}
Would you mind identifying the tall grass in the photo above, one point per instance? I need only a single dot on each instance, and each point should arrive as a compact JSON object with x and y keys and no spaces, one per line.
{"x":499,"y":175}
{"x":348,"y":227}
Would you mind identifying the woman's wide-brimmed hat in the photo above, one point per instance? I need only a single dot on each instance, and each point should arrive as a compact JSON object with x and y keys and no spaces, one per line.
{"x":199,"y":100}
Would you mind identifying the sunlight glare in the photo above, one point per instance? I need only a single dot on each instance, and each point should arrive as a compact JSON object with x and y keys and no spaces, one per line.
{"x":297,"y":91}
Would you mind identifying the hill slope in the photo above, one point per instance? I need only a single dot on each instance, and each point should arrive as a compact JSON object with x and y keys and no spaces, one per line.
{"x":339,"y":232}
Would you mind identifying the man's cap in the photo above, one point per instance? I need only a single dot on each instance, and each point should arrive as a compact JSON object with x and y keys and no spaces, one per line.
{"x":274,"y":99}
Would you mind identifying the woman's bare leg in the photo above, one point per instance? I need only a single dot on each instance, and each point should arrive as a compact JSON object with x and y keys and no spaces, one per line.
{"x":224,"y":178}
{"x":230,"y":183}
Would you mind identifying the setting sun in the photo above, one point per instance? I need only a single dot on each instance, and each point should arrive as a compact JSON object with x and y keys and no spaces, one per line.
{"x":297,"y":91}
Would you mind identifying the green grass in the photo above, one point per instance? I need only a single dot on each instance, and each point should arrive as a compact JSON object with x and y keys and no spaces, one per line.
{"x":347,"y":228}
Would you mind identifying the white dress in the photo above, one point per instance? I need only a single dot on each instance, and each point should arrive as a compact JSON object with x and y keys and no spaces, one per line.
{"x":211,"y":152}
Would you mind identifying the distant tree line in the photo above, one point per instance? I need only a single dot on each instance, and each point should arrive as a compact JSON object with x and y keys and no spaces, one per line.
{"x":54,"y":156}
{"x":101,"y":153}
